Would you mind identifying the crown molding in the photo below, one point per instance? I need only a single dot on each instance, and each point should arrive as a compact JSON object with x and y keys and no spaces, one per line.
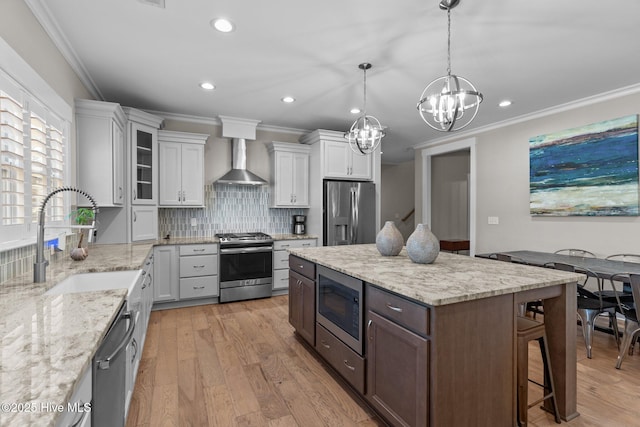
{"x":42,"y":13}
{"x":572,"y":105}
{"x":215,"y":121}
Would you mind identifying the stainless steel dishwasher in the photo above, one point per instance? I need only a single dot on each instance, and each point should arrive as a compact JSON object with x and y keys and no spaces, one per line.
{"x":109,"y":372}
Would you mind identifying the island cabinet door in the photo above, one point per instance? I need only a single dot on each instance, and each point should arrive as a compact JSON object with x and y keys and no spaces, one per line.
{"x":397,"y":372}
{"x":302,"y":306}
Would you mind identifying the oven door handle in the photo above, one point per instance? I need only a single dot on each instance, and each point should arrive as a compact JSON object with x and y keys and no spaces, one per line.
{"x":246,"y":250}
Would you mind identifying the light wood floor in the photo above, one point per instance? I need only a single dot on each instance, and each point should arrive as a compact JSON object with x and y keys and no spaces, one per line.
{"x":239,"y":364}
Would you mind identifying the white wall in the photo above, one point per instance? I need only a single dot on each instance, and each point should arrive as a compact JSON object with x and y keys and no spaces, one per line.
{"x":397,"y":196}
{"x":502,"y":157}
{"x":22,"y":31}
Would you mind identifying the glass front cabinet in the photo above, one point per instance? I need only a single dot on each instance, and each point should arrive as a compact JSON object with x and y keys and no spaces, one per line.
{"x":143,"y":141}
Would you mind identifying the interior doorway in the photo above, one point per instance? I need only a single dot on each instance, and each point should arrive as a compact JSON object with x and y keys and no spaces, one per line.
{"x":450,"y":195}
{"x":449,"y":191}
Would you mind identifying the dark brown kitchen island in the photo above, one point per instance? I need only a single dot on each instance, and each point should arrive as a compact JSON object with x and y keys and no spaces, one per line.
{"x":467,"y":334}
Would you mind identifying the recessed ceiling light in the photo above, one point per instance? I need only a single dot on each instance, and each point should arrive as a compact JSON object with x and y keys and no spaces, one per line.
{"x":288,"y":99}
{"x":223,"y":25}
{"x":355,"y":111}
{"x":207,"y":86}
{"x":504,"y":103}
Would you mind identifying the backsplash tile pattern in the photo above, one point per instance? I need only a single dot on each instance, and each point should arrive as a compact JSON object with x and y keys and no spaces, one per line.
{"x":19,"y":261}
{"x":228,"y":208}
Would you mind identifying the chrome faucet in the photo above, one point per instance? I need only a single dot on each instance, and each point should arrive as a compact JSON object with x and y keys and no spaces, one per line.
{"x":40,"y":266}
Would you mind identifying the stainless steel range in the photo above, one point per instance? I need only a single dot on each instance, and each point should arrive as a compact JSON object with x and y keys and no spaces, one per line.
{"x":246,"y":266}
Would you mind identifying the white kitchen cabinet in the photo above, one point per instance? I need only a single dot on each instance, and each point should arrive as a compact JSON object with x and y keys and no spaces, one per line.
{"x":144,"y":223}
{"x":77,"y":412}
{"x":199,"y":271}
{"x":289,"y":175}
{"x":281,"y":260}
{"x":181,"y":168}
{"x":165,"y":274}
{"x":101,"y":152}
{"x":341,"y":162}
{"x":142,"y":140}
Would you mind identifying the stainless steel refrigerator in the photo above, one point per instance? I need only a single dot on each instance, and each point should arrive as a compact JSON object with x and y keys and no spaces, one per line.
{"x":349,"y":215}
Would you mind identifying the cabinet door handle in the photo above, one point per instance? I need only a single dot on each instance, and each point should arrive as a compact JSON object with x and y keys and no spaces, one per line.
{"x":120,"y":192}
{"x":135,"y":217}
{"x":134,"y":195}
{"x":346,"y":363}
{"x":369,"y":323}
{"x":305,"y":244}
{"x":198,"y":250}
{"x":285,"y":246}
{"x":198,"y":287}
{"x":301,"y":267}
{"x":134,"y":343}
{"x":324,"y":344}
{"x":394,"y":308}
{"x":198,"y":266}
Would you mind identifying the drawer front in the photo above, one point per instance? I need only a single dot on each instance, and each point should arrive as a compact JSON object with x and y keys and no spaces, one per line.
{"x":296,"y":243}
{"x":198,"y":265}
{"x":281,"y":279}
{"x":280,"y":260}
{"x":342,"y":358}
{"x":209,"y":249}
{"x":302,"y":266}
{"x":411,"y":315}
{"x":199,"y":287}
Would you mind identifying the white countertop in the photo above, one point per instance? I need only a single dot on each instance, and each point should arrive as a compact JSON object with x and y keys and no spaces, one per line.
{"x":47,"y":341}
{"x":450,"y":279}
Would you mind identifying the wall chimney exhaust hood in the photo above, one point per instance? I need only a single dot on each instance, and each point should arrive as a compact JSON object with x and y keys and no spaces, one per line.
{"x":239,"y":130}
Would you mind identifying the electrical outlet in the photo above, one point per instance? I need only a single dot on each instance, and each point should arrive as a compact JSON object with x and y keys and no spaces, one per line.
{"x":493,"y":220}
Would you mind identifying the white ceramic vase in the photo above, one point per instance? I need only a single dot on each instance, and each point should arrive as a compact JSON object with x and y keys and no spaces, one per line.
{"x":389,"y":240}
{"x":423,"y":246}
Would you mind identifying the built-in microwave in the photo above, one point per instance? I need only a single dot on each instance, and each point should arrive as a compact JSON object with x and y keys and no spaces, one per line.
{"x":339,"y":302}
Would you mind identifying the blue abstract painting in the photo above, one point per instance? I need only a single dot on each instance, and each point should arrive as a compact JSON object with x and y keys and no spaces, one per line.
{"x":587,"y":171}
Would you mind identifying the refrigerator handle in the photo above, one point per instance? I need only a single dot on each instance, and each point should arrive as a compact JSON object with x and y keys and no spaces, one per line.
{"x":354,"y":216}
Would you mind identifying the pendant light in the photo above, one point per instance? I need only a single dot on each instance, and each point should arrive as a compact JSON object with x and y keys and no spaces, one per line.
{"x":450,"y":102}
{"x":366,"y":132}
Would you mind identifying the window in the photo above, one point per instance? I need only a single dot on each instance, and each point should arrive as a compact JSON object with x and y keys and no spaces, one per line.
{"x":33,"y":147}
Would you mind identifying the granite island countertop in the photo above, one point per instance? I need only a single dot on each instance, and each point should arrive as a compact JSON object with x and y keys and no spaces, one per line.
{"x":450,"y":279}
{"x":47,"y":341}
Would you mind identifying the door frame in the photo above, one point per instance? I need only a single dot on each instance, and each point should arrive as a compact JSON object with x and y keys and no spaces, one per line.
{"x":427,"y":154}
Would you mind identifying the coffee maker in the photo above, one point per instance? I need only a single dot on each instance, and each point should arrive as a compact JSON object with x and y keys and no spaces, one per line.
{"x":299,"y":224}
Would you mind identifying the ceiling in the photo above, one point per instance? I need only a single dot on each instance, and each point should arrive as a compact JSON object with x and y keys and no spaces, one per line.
{"x":539,"y":54}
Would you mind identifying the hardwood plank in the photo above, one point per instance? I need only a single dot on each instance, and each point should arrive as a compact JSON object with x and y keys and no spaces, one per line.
{"x":219,"y":406}
{"x":191,"y":402}
{"x":184,"y":335}
{"x":167,"y":357}
{"x":253,"y":419}
{"x":140,"y":406}
{"x":271,"y":403}
{"x":210,"y":368}
{"x":164,"y":406}
{"x":283,"y":366}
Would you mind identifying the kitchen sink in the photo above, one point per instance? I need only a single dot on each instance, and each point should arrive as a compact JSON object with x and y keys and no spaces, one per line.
{"x":88,"y":282}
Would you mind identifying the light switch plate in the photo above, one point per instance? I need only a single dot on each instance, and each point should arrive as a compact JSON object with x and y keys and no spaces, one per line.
{"x":493,"y":220}
{"x":193,"y":222}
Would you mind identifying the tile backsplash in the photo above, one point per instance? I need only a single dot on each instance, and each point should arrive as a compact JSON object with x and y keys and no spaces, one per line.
{"x":228,"y":208}
{"x":19,"y":261}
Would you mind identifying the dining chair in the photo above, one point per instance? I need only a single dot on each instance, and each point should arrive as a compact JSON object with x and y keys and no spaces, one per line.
{"x":626,"y":286}
{"x":576,"y":252}
{"x":630,"y":312}
{"x":589,"y":304}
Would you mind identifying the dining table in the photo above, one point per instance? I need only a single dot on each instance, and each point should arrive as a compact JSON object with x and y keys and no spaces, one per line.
{"x":603,"y":268}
